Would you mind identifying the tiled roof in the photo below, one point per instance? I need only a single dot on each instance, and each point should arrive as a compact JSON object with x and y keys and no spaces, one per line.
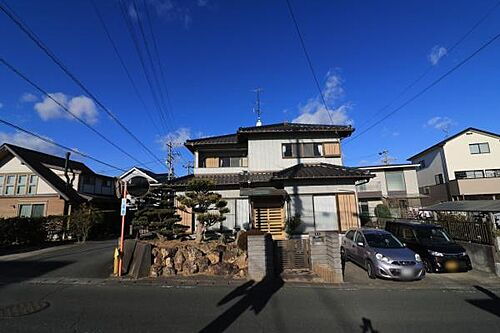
{"x":320,"y":171}
{"x":220,"y":139}
{"x":299,"y":171}
{"x":294,"y":127}
{"x":339,"y":130}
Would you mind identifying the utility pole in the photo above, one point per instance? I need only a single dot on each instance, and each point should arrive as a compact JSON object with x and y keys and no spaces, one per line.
{"x":170,"y":159}
{"x":257,"y":109}
{"x":189,"y":166}
{"x":385,"y":158}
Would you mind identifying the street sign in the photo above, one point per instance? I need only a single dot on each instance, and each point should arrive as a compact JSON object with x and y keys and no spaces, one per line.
{"x":138,"y":186}
{"x":123,"y":207}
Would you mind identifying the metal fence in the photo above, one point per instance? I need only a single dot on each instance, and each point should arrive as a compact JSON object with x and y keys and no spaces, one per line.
{"x":474,"y":232}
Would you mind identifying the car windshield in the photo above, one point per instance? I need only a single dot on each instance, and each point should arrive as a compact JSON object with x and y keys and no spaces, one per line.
{"x":383,"y":241}
{"x":433,"y":236}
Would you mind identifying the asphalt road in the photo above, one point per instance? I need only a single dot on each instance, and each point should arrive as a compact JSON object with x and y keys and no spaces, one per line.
{"x":89,"y":260}
{"x":264,"y":307}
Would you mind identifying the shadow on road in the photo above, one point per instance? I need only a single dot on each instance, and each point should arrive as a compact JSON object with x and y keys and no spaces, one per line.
{"x":18,"y":271}
{"x":254,"y":296}
{"x":491,"y":305}
{"x":367,"y":326}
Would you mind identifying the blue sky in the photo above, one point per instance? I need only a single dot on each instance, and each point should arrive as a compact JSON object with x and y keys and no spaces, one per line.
{"x":216,"y":52}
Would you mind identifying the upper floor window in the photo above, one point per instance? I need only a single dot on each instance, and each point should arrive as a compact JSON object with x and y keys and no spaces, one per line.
{"x":479,"y":148}
{"x":395,"y":181}
{"x":224,"y":162}
{"x":439,"y":179}
{"x":297,"y":150}
{"x":473,"y":174}
{"x":18,"y":184}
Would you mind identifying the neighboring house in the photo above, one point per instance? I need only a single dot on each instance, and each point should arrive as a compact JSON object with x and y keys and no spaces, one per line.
{"x":34,"y":184}
{"x":394,"y":185}
{"x":270,"y":173}
{"x":465,"y":166}
{"x":153,"y":178}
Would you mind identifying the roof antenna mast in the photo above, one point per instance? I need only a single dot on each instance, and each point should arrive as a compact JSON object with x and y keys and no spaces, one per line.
{"x":257,"y":109}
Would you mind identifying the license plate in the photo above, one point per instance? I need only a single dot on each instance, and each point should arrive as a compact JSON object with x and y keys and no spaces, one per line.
{"x":451,"y":265}
{"x":406,"y":272}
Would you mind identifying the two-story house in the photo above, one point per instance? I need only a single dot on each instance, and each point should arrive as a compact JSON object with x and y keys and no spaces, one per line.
{"x":394,"y":185}
{"x":35,"y":184}
{"x":465,"y":166}
{"x":273,"y":172}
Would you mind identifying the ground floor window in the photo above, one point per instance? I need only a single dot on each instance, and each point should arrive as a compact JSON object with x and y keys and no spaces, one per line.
{"x":31,"y":210}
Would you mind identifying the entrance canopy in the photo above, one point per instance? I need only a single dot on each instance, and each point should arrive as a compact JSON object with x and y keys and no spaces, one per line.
{"x":262,"y":191}
{"x":489,"y":206}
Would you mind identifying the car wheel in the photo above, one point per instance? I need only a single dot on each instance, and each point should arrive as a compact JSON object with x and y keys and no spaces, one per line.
{"x":428,"y":266}
{"x":370,"y":270}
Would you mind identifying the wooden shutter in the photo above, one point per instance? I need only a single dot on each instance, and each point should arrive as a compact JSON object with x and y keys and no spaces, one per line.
{"x":331,"y":149}
{"x":348,"y":211}
{"x":211,"y":162}
{"x":270,"y":219}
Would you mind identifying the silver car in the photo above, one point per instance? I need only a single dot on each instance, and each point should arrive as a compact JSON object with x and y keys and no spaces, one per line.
{"x":381,"y":254}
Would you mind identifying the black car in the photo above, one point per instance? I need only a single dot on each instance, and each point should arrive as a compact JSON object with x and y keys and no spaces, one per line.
{"x":438,"y":251}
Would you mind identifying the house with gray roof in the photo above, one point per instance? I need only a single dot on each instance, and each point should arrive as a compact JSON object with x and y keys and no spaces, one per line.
{"x":269,"y":174}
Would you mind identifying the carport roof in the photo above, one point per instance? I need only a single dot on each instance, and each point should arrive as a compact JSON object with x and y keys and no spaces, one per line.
{"x":491,"y":206}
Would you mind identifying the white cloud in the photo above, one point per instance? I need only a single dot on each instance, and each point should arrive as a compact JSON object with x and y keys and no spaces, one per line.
{"x":314,"y":111}
{"x":81,"y":106}
{"x":28,"y":141}
{"x":436,"y":54}
{"x":177,"y":138}
{"x":440,"y":123}
{"x":28,"y":98}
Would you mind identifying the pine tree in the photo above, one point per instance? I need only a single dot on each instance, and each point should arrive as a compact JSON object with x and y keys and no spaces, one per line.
{"x":208,"y":206}
{"x":157,"y":213}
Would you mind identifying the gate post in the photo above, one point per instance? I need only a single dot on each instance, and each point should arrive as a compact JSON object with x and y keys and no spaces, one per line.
{"x":325,"y":256}
{"x":260,"y":256}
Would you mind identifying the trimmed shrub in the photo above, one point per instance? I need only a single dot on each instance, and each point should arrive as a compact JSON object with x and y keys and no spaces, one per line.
{"x":22,"y":231}
{"x":382,"y":211}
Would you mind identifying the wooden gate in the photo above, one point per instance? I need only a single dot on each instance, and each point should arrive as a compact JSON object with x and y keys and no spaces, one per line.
{"x":270,"y":217}
{"x":292,"y":254}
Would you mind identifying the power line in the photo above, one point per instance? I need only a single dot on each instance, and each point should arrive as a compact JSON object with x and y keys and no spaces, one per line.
{"x":122,"y":62}
{"x":160,"y":63}
{"x":52,"y":56}
{"x":309,"y":62}
{"x":145,"y":70}
{"x":423,"y":91}
{"x":430,"y":67}
{"x":5,"y":122}
{"x":62,"y":106}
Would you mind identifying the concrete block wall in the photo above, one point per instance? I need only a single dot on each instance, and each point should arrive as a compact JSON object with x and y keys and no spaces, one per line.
{"x":325,"y":256}
{"x":260,"y":256}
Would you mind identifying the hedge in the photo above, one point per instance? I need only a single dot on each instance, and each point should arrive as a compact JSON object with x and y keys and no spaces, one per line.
{"x":28,"y":231}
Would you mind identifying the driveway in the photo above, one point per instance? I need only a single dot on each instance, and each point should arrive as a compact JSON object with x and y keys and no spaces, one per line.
{"x":355,"y":275}
{"x":88,"y":260}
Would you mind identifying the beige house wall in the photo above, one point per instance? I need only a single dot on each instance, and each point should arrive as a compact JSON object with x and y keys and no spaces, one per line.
{"x":9,"y":206}
{"x":459,"y":158}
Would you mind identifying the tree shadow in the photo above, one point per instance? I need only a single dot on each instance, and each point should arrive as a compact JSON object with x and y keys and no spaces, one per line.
{"x":254,"y":297}
{"x":18,"y":271}
{"x":491,"y":305}
{"x":367,"y":326}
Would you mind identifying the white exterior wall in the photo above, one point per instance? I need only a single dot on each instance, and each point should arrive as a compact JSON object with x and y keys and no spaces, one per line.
{"x":267,"y":155}
{"x":433,"y":166}
{"x":201,"y":171}
{"x":459,"y":158}
{"x":60,"y":174}
{"x":15,"y":166}
{"x":411,"y":181}
{"x":320,"y":189}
